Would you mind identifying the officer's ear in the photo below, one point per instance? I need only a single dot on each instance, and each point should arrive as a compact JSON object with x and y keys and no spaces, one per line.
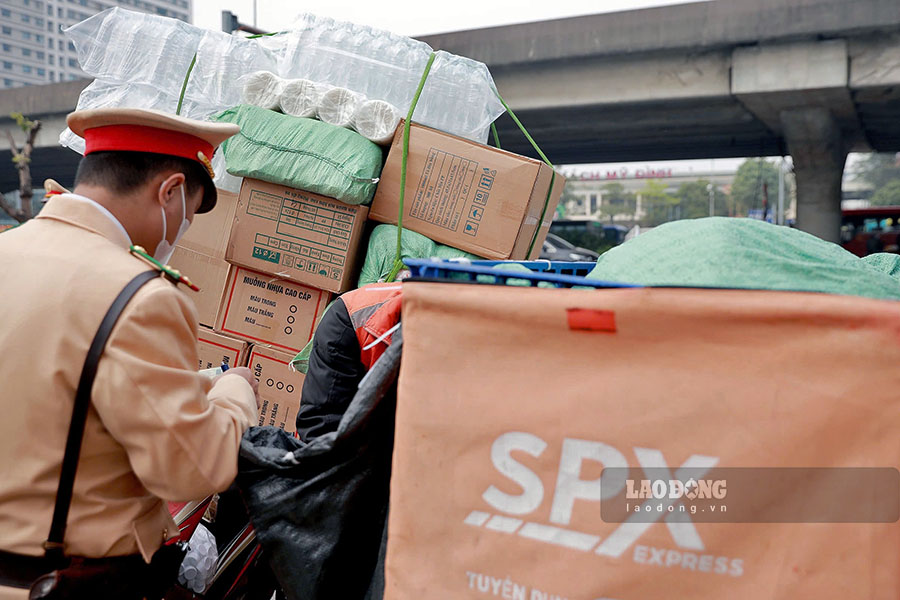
{"x":168,"y":191}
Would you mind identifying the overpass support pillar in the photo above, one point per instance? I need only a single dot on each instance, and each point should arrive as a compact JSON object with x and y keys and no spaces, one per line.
{"x":819,"y":152}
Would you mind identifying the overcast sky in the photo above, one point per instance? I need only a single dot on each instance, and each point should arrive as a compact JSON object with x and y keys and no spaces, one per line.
{"x":409,"y":17}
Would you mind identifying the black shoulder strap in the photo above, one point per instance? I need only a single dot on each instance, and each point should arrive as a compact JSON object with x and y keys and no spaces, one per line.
{"x":53,"y":547}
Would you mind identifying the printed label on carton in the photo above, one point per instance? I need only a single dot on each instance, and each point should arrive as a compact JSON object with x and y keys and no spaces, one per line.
{"x":443,"y":191}
{"x":279,"y":388}
{"x":261,"y":308}
{"x":310,"y":235}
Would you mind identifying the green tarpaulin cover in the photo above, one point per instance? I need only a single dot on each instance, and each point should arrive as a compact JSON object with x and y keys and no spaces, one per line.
{"x":721,"y":252}
{"x":305,"y":154}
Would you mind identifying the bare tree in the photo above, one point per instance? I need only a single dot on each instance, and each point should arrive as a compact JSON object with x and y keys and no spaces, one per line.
{"x":22,"y":160}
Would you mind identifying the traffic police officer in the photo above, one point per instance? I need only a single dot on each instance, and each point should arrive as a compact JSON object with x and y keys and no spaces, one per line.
{"x":156,"y":429}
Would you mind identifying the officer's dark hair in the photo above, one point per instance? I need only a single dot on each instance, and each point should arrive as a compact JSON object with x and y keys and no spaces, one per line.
{"x":123,"y":172}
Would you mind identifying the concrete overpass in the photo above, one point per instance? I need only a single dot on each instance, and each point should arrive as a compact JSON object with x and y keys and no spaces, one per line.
{"x":729,"y":78}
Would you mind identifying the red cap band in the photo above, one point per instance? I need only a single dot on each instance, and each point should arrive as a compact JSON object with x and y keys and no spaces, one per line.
{"x":141,"y":138}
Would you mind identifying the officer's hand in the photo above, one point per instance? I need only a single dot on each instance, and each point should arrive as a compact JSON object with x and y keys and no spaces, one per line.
{"x":247,"y":374}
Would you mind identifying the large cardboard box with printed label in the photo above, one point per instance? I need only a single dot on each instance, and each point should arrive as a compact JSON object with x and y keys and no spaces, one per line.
{"x":467,"y":195}
{"x":279,"y":387}
{"x":264,"y":309}
{"x":296,"y":235}
{"x":200,"y":255}
{"x":216,"y":349}
{"x":541,"y":435}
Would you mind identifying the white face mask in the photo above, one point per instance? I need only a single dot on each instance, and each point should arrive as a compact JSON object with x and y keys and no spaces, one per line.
{"x":164,"y":249}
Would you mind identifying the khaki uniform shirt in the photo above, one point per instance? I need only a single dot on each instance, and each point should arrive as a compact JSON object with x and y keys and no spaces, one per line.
{"x":156,"y":430}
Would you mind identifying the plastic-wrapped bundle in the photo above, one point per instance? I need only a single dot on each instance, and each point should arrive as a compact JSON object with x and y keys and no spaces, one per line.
{"x":337,"y":107}
{"x":458,"y":97}
{"x":262,"y":89}
{"x":199,"y":564}
{"x":223,"y":62}
{"x":301,"y":153}
{"x":143,"y":59}
{"x":376,"y":120}
{"x":300,"y":97}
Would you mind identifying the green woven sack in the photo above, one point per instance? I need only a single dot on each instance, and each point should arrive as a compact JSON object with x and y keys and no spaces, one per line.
{"x":720,"y":252}
{"x":383,"y":246}
{"x":305,"y":154}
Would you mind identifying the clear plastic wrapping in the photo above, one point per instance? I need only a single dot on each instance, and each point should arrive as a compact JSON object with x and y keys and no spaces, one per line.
{"x":141,"y":60}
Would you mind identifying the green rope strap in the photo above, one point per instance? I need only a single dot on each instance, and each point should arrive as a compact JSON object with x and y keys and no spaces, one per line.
{"x":184,"y":85}
{"x":537,"y":149}
{"x":398,"y":256}
{"x":496,"y":136}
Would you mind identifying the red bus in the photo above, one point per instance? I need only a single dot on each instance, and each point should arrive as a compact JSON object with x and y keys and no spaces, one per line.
{"x":869,"y":230}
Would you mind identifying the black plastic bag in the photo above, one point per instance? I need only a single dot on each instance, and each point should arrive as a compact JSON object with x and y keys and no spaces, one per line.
{"x":320,"y":509}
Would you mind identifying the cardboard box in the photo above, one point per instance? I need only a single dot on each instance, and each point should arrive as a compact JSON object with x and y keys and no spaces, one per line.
{"x":208,"y":233}
{"x":200,"y":255}
{"x":209,"y":274}
{"x":261,"y":308}
{"x":296,"y":235}
{"x":215,"y":349}
{"x":279,"y":387}
{"x":466,"y":195}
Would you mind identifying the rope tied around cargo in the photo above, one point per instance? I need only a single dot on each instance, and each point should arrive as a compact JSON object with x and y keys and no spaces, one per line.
{"x":187,"y":76}
{"x":398,"y":257}
{"x":543,"y":156}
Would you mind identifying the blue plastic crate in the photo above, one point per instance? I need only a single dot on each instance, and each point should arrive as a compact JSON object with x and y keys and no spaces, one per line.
{"x":557,"y":274}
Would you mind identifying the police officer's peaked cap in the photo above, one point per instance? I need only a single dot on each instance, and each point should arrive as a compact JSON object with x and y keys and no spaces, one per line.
{"x":144,"y":130}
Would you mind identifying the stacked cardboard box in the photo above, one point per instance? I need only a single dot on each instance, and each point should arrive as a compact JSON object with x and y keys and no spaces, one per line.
{"x":255,"y":314}
{"x":270,"y":258}
{"x":200,"y":255}
{"x":473,"y":197}
{"x":279,"y":387}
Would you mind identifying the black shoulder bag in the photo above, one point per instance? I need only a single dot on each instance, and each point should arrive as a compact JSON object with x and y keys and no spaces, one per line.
{"x":123,"y":577}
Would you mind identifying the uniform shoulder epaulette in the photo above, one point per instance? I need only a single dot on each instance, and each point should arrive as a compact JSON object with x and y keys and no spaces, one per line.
{"x":53,"y":188}
{"x":173,"y":275}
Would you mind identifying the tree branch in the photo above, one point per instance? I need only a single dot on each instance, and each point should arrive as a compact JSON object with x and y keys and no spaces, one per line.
{"x":26,"y":192}
{"x":12,"y":144}
{"x":8,"y":209}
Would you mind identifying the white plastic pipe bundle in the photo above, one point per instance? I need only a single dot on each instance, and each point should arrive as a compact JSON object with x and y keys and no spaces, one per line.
{"x":263,"y":89}
{"x":337,"y":106}
{"x":376,"y":120}
{"x":300,"y":98}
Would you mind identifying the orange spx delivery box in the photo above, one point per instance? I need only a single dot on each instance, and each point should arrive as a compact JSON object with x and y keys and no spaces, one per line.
{"x":265,"y":309}
{"x":467,"y":195}
{"x":216,"y":349}
{"x":200,"y":255}
{"x":279,"y":387}
{"x":639,"y":444}
{"x":296,"y":235}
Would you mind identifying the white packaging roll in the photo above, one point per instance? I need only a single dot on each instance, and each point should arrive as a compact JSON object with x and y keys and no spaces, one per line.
{"x":262,"y":89}
{"x":377,"y":120}
{"x":337,"y":106}
{"x":300,"y":97}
